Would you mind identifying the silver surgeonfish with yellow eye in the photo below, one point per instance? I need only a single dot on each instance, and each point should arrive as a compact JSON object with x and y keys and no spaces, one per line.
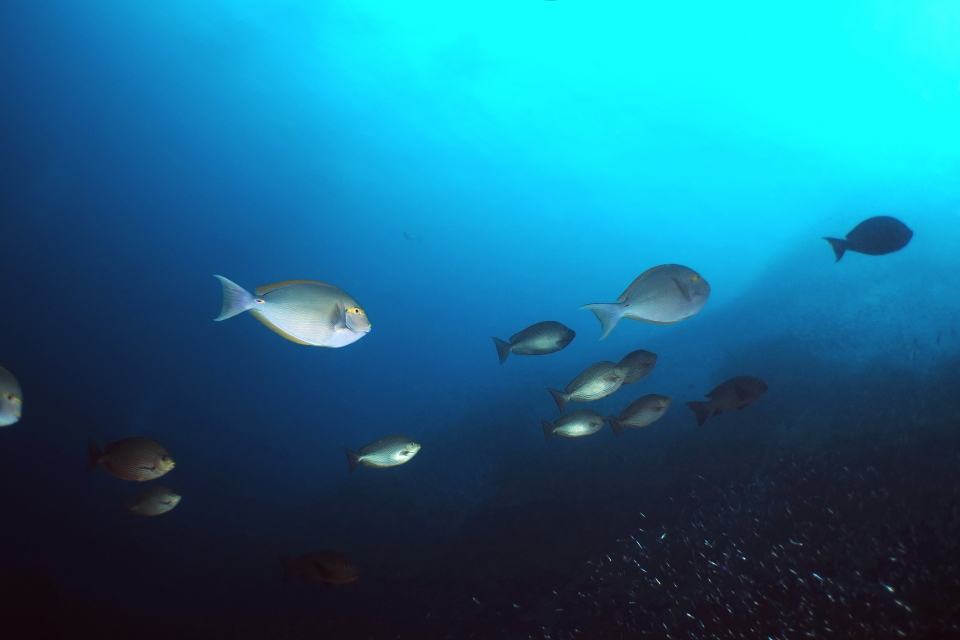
{"x":11,"y":399}
{"x":302,"y":311}
{"x":386,"y":452}
{"x":153,"y":502}
{"x":661,"y":295}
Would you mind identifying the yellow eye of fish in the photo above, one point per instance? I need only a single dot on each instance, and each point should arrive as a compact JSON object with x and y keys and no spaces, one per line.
{"x":695,"y":278}
{"x":259,"y":300}
{"x":355,"y":310}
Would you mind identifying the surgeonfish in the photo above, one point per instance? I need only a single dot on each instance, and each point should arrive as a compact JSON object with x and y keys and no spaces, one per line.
{"x":641,"y":412}
{"x":638,"y":365}
{"x":303,"y":311}
{"x":328,"y":567}
{"x":134,"y":459}
{"x":735,"y":393}
{"x":387,"y":452}
{"x":582,"y":422}
{"x":11,"y":399}
{"x":597,"y":381}
{"x":152,"y":502}
{"x":874,"y":236}
{"x":661,"y":295}
{"x":536,"y":340}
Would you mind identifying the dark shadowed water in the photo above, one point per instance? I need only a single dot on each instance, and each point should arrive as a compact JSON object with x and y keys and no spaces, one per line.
{"x":465,"y":170}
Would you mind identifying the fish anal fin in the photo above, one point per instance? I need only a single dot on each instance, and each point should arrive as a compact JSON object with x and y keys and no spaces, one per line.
{"x":267,"y":288}
{"x":259,"y":316}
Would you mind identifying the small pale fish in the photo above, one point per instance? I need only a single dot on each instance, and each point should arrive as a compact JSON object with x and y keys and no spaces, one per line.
{"x":388,"y":452}
{"x":11,"y":399}
{"x":536,"y":340}
{"x":134,"y":459}
{"x":153,"y":502}
{"x":582,"y":422}
{"x":638,"y":365}
{"x":641,"y":412}
{"x":303,"y":311}
{"x":661,"y":295}
{"x":735,"y":393}
{"x":329,"y":567}
{"x":874,"y":236}
{"x":597,"y":381}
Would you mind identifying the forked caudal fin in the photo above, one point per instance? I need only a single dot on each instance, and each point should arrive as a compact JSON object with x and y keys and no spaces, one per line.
{"x":703,"y":410}
{"x":547,"y":430}
{"x":560,"y":398}
{"x":503,"y":349}
{"x":839,"y":247}
{"x":236,"y":299}
{"x":353,"y":458}
{"x":616,"y":425}
{"x":608,"y":313}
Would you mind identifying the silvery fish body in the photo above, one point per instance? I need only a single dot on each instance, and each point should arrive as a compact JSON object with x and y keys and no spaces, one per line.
{"x":11,"y":399}
{"x":662,"y":295}
{"x":536,"y":340}
{"x":641,"y":412}
{"x":597,"y":381}
{"x":153,"y":502}
{"x":387,"y":452}
{"x":638,"y":365}
{"x":582,"y":422}
{"x":134,"y":459}
{"x":303,"y":311}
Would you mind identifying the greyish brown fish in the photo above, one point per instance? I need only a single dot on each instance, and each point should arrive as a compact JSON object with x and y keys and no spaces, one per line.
{"x":536,"y":340}
{"x":661,"y":295}
{"x":597,"y":381}
{"x":735,"y":393}
{"x":582,"y":422}
{"x":303,"y":311}
{"x":387,"y":452}
{"x":874,"y":236}
{"x":641,"y":412}
{"x":329,"y":567}
{"x":638,"y":365}
{"x":11,"y":399}
{"x":134,"y":459}
{"x":153,"y":502}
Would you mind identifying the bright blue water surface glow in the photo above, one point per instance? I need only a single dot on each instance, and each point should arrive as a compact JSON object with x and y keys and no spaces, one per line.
{"x":541,"y":155}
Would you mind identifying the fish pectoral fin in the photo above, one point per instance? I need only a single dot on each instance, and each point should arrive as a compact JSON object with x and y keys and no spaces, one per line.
{"x":153,"y":468}
{"x":683,"y":290}
{"x":337,"y":318}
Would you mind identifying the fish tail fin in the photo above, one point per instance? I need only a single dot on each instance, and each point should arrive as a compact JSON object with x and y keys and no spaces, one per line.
{"x":291,"y":568}
{"x":94,"y":456}
{"x":503,"y":349}
{"x":838,"y":245}
{"x":547,"y":430}
{"x":703,"y":410}
{"x":353,"y":458}
{"x":560,"y":398}
{"x":608,"y":313}
{"x":616,"y":425}
{"x":236,"y":299}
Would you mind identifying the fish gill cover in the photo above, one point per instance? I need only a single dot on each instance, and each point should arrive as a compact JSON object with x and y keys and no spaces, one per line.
{"x":459,"y":171}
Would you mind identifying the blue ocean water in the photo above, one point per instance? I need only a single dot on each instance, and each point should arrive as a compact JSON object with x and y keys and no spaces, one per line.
{"x":465,"y":170}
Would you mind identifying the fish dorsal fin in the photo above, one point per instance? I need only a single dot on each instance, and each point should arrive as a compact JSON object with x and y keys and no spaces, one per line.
{"x":267,"y":288}
{"x":623,"y":296}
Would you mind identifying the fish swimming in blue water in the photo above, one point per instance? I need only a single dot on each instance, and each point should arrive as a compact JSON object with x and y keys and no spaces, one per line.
{"x":134,"y":459}
{"x":662,"y":295}
{"x":642,"y":412}
{"x":302,"y":311}
{"x":582,"y":422}
{"x":734,"y":394}
{"x":11,"y":399}
{"x":153,"y":502}
{"x":638,"y":365}
{"x":536,"y":340}
{"x":386,"y":452}
{"x":595,"y":382}
{"x":874,"y":236}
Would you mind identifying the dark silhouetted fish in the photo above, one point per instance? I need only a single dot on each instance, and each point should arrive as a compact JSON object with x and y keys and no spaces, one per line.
{"x":581,"y":422}
{"x":735,"y":393}
{"x":328,"y":567}
{"x":153,"y":502}
{"x":638,"y":365}
{"x":11,"y":399}
{"x":536,"y":340}
{"x":134,"y":459}
{"x":641,"y":412}
{"x":597,"y":381}
{"x":661,"y":295}
{"x":386,"y":452}
{"x":874,"y":236}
